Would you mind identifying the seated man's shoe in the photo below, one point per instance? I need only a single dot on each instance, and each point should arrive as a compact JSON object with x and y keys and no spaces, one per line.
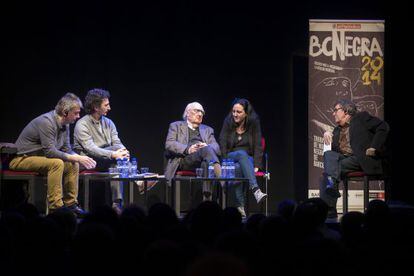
{"x":259,"y":196}
{"x":217,"y":170}
{"x":207,"y":196}
{"x":117,"y":207}
{"x":58,"y":210}
{"x":332,"y":188}
{"x":241,"y":211}
{"x":78,"y":211}
{"x":141,"y":186}
{"x":217,"y":173}
{"x":332,"y":192}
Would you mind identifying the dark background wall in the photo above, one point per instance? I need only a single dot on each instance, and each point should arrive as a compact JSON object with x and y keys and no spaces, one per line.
{"x":156,"y":56}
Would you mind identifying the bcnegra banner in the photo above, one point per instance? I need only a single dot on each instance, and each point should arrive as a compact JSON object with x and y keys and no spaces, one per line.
{"x":346,"y":61}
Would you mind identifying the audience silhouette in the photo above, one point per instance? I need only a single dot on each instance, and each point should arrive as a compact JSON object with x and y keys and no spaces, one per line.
{"x":208,"y":241}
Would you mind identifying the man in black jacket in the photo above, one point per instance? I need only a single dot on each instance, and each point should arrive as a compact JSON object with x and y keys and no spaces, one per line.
{"x":357,"y":144}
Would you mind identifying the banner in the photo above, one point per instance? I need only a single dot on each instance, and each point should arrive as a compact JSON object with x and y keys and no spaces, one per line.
{"x":346,"y":61}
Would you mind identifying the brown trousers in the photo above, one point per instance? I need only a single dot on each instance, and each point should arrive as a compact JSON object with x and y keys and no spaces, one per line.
{"x":62,"y":177}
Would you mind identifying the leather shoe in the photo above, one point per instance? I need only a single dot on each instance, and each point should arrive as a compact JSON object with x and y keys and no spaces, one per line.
{"x":58,"y":210}
{"x":332,"y":188}
{"x":217,"y":170}
{"x":332,"y":192}
{"x":150,"y":185}
{"x":117,"y":207}
{"x":78,"y":211}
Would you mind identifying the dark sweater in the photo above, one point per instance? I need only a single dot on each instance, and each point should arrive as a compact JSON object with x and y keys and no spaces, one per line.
{"x":253,"y":146}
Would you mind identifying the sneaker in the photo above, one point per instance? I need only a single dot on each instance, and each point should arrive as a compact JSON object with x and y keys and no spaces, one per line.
{"x":117,"y":207}
{"x":217,"y":170}
{"x":59,"y":210}
{"x":150,"y":185}
{"x":78,"y":211}
{"x":241,"y":211}
{"x":207,"y":196}
{"x":259,"y":195}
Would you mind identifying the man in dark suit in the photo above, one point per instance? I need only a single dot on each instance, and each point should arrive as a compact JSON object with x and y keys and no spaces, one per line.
{"x":190,"y":143}
{"x":357,"y":144}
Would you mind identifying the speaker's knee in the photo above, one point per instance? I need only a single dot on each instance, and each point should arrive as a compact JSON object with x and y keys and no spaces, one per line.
{"x":56,"y":163}
{"x":74,"y":166}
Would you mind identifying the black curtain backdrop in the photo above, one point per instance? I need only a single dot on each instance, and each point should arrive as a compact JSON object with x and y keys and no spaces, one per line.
{"x":156,"y":56}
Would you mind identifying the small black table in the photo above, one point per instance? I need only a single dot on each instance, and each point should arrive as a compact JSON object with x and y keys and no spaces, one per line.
{"x":175,"y":189}
{"x":107,"y":177}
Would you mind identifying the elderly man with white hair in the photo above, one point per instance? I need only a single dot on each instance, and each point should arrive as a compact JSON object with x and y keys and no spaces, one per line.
{"x":190,"y":143}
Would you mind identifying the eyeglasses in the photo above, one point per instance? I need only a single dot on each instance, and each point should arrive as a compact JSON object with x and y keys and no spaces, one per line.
{"x":195,"y":111}
{"x":336,"y":109}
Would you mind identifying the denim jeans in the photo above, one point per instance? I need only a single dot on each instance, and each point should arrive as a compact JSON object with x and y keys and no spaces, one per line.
{"x":244,"y":168}
{"x":335,"y":166}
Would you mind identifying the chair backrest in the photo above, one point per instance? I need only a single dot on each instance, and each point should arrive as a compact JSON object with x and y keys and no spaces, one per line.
{"x":7,"y":152}
{"x":185,"y":173}
{"x":263,"y":144}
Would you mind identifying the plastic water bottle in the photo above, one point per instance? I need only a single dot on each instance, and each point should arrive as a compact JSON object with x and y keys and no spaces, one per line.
{"x":119,"y":165}
{"x":211,"y":170}
{"x":231,"y":168}
{"x":224,"y":173}
{"x":125,"y":169}
{"x":134,"y":167}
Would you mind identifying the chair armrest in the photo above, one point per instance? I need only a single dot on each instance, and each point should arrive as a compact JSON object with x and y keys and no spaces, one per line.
{"x":8,"y":148}
{"x":6,"y":151}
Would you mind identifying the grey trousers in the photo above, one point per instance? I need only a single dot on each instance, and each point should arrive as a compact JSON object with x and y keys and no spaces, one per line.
{"x":103,"y":165}
{"x":201,"y":158}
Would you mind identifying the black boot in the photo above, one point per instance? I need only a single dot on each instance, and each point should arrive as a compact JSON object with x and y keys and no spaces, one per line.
{"x":332,"y":213}
{"x":332,"y":187}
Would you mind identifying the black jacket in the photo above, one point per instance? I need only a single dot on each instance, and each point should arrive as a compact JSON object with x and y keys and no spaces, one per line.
{"x":365,"y":131}
{"x":227,"y":137}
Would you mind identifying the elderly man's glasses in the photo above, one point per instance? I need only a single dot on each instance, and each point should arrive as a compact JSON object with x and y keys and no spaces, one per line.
{"x":195,"y":111}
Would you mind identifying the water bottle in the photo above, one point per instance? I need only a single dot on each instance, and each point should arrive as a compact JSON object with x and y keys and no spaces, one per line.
{"x":224,"y":168}
{"x":134,"y":167}
{"x":211,"y":173}
{"x":125,"y":169}
{"x":231,"y":168}
{"x":119,"y":165}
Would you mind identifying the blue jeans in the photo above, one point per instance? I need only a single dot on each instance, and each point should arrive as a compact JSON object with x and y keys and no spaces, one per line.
{"x":335,"y":165}
{"x":244,"y":168}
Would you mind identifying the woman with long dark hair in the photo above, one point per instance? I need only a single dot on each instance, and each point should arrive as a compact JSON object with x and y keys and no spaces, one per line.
{"x":240,"y":140}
